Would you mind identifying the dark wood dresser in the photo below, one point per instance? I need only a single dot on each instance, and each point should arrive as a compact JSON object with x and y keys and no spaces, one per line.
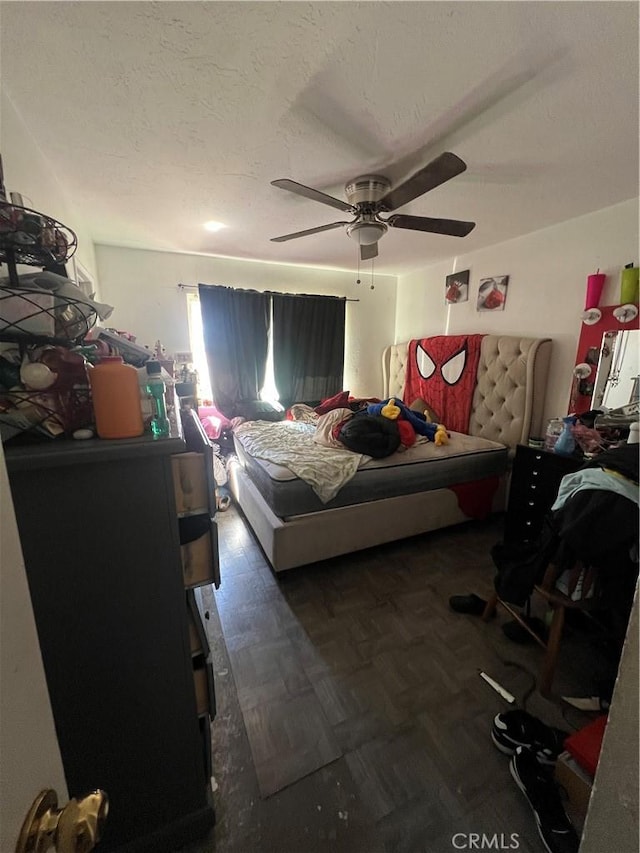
{"x":535,"y":479}
{"x":116,"y":537}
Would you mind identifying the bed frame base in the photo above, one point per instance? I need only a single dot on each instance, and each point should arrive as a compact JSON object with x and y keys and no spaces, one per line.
{"x":330,"y":533}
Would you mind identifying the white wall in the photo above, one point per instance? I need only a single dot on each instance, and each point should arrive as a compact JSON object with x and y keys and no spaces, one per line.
{"x":31,"y":758}
{"x":612,"y":818}
{"x":142,"y":287}
{"x":27,"y":171}
{"x":548,"y":272}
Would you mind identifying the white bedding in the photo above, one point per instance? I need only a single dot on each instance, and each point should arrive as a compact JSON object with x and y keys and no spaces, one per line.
{"x":291,"y":444}
{"x":459,"y":445}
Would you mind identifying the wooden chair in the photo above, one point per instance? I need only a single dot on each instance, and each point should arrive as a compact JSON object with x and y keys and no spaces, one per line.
{"x":581,"y":581}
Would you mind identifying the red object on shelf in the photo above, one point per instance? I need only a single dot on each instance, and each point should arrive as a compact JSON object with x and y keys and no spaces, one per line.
{"x":585,"y":744}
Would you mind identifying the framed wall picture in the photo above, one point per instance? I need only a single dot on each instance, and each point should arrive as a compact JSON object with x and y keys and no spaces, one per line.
{"x":492,"y":293}
{"x":456,"y":287}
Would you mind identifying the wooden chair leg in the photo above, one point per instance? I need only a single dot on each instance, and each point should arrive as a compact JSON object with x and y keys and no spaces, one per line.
{"x":490,"y":608}
{"x":548,"y":667}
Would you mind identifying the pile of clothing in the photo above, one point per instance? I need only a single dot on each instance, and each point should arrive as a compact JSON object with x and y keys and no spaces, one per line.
{"x":375,"y":428}
{"x":594,"y":522}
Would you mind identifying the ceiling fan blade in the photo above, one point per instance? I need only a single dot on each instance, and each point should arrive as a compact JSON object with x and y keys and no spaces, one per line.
{"x":368,"y":252}
{"x":309,"y":192}
{"x":307,"y":232}
{"x":452,"y":227}
{"x":442,"y":169}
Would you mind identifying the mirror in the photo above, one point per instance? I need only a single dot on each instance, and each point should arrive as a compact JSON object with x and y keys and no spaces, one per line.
{"x":618,"y":370}
{"x":599,"y":342}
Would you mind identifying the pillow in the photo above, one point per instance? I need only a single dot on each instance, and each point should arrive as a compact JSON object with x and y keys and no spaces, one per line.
{"x":425,"y":409}
{"x":258,"y":410}
{"x":301,"y":412}
{"x":338,"y":401}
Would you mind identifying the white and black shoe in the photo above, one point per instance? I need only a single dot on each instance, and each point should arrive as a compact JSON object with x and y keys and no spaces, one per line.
{"x":519,"y":728}
{"x":536,"y":783}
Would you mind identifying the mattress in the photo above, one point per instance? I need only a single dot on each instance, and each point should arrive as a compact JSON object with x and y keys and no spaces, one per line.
{"x":422,"y":467}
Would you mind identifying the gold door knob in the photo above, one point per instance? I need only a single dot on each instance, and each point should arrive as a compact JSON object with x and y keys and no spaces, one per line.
{"x":76,"y":828}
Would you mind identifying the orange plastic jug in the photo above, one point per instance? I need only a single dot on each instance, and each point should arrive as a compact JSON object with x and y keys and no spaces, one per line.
{"x":116,"y":398}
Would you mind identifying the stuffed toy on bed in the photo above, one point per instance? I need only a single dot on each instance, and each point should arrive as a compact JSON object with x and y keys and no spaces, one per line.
{"x":396,"y":410}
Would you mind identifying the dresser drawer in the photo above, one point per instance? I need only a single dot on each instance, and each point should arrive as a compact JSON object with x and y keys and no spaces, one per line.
{"x":190,"y":483}
{"x":198,"y":642}
{"x":204,"y":726}
{"x":198,"y":565}
{"x":203,"y":686}
{"x":524,"y":529}
{"x":534,"y":487}
{"x":195,"y":644}
{"x":533,"y":495}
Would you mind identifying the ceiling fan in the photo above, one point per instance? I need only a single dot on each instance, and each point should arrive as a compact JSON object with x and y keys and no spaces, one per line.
{"x":368,"y":196}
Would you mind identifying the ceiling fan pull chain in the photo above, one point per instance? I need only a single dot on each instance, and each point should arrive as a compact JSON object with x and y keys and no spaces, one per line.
{"x":358,"y":279}
{"x":373,"y":287}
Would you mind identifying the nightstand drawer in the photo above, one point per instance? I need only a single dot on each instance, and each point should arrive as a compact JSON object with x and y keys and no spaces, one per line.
{"x":198,"y":559}
{"x":190,"y":483}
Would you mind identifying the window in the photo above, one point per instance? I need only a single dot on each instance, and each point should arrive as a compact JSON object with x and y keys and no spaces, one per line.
{"x":197,"y":347}
{"x":269,"y":392}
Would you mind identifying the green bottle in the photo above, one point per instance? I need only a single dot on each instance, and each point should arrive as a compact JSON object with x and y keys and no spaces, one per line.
{"x":156,"y":389}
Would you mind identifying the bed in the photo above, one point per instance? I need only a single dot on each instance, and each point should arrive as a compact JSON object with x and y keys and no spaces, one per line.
{"x":422,"y":489}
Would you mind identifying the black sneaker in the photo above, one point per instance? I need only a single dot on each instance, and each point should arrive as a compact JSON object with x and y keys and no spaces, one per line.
{"x":519,"y":728}
{"x":536,"y":783}
{"x":471,"y":604}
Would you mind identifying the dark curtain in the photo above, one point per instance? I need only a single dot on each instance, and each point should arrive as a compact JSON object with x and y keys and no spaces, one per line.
{"x":308,"y":346}
{"x":235,"y":325}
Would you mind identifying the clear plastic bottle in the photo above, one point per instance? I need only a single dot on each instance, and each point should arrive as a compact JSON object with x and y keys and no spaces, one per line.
{"x":156,"y":389}
{"x":116,"y":398}
{"x":554,"y":430}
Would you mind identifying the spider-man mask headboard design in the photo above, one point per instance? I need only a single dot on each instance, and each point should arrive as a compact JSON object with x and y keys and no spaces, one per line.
{"x":443,"y":371}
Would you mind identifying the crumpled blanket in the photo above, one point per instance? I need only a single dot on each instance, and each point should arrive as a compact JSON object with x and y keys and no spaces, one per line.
{"x":326,"y":426}
{"x":291,"y":444}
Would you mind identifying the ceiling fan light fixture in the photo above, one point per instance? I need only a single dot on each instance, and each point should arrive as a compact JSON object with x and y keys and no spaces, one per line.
{"x":366,"y":232}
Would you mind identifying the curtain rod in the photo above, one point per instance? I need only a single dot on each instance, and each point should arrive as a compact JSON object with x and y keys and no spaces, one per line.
{"x":195,"y":287}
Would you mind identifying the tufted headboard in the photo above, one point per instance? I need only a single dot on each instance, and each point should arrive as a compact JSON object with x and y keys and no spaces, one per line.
{"x":508,"y":399}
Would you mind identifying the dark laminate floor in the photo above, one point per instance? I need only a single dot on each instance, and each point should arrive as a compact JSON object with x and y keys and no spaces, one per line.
{"x":354,"y":675}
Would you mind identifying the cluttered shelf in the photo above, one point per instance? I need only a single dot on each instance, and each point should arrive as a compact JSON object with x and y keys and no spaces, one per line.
{"x":33,"y":238}
{"x":44,"y":320}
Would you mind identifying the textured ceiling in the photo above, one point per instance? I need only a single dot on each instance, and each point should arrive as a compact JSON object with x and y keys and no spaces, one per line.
{"x":159,"y":116}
